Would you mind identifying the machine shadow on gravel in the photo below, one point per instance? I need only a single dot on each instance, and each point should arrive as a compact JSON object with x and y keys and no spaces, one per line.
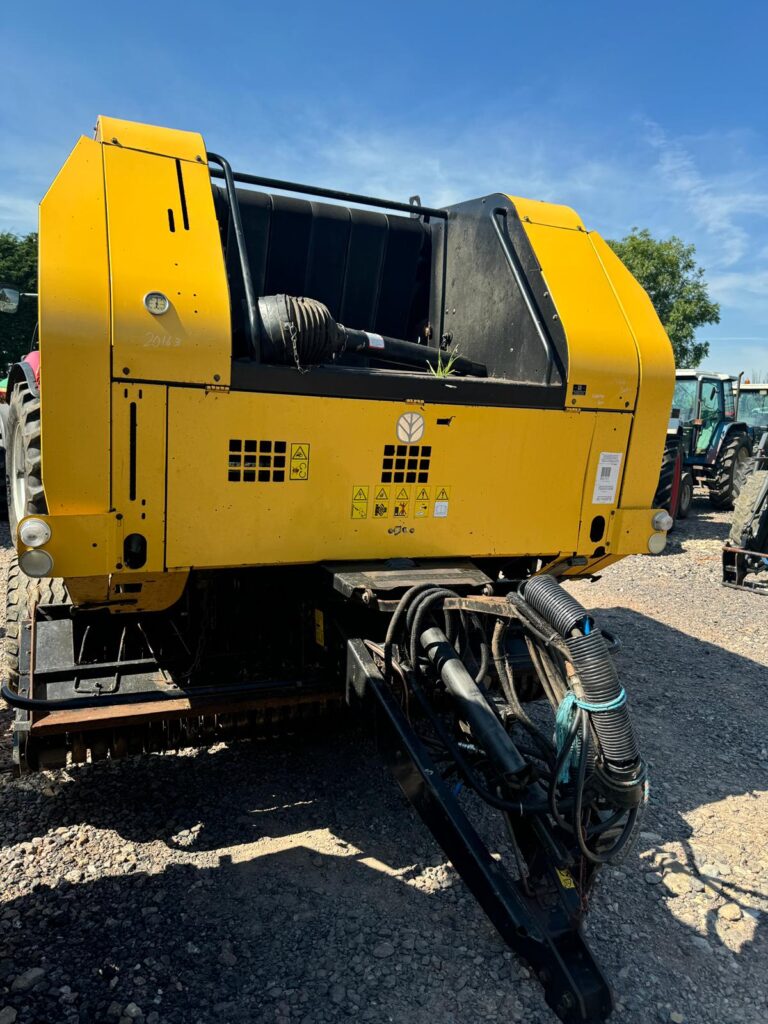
{"x":686,"y":698}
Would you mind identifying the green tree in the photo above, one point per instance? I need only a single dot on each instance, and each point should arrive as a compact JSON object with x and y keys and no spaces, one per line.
{"x":668,"y":271}
{"x":18,"y":267}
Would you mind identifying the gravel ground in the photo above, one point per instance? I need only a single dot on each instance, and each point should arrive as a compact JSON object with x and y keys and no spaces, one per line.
{"x":260,"y":884}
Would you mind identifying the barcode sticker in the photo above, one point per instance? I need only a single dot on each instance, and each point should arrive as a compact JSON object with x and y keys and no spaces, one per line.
{"x":607,"y":478}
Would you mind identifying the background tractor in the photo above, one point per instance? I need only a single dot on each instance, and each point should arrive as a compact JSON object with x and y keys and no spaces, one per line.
{"x":752,"y":406}
{"x":10,"y":300}
{"x":707,"y":444}
{"x":414,"y":425}
{"x":745,"y":556}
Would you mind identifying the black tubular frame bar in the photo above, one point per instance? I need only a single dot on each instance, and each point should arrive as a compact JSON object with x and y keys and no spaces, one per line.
{"x":325,"y":193}
{"x":237,"y":223}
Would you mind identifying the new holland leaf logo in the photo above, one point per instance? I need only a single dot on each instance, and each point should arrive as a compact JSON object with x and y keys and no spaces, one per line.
{"x":410,"y":427}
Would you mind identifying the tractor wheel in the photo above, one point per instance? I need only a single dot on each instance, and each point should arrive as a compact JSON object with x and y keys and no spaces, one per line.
{"x":23,"y":469}
{"x":729,"y":471}
{"x":670,"y":467}
{"x":685,"y":500}
{"x":757,"y":538}
{"x":3,"y":442}
{"x":22,"y":596}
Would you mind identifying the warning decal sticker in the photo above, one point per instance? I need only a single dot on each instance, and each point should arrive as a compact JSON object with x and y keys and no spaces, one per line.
{"x":607,"y":478}
{"x":399,"y":501}
{"x":440,"y":508}
{"x":360,"y":501}
{"x":299,"y":469}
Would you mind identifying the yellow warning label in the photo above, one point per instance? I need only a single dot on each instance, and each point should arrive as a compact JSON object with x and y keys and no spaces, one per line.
{"x":299,"y":466}
{"x":359,"y":509}
{"x":382,"y":494}
{"x":380,"y":509}
{"x":421,"y":509}
{"x":360,"y":493}
{"x":442,"y":493}
{"x":566,"y":879}
{"x":422,"y":494}
{"x":400,"y":509}
{"x":402,"y":493}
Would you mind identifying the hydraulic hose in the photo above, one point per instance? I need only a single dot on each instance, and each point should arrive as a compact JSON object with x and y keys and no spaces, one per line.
{"x":604,"y":695}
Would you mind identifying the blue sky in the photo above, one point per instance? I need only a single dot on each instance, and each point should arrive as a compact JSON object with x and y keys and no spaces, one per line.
{"x":651,"y":114}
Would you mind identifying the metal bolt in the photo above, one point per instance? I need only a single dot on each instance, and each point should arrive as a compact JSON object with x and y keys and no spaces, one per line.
{"x":216,"y":377}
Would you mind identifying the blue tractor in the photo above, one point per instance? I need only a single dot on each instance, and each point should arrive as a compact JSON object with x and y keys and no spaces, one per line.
{"x":707,"y":443}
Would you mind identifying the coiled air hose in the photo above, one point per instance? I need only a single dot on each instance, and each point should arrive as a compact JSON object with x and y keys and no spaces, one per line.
{"x":604,"y":695}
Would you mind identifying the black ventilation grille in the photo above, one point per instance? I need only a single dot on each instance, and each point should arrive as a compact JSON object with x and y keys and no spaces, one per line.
{"x":262,"y":462}
{"x":406,"y":463}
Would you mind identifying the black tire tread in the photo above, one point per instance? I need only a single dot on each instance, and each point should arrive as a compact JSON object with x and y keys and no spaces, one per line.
{"x":663,"y":496}
{"x":758,"y":541}
{"x":723,"y":488}
{"x":24,"y":408}
{"x":22,"y":596}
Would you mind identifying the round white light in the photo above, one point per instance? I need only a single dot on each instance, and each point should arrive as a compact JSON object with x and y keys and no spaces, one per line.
{"x":36,"y":563}
{"x":657,"y":542}
{"x":34,"y":533}
{"x":662,"y":521}
{"x":156,"y":303}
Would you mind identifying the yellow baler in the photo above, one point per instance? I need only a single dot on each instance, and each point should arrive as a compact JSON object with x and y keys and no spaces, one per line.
{"x":288,"y":452}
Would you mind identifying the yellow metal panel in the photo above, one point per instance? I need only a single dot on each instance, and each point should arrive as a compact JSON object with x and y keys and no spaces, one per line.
{"x":74,"y":336}
{"x":81,"y":545}
{"x":138,"y":479}
{"x":191,"y":342}
{"x":601,"y":350}
{"x":552,"y":214}
{"x":154,"y":593}
{"x":501,"y":481}
{"x":657,"y":380}
{"x":609,"y":446}
{"x":632,"y":529}
{"x":150,"y":139}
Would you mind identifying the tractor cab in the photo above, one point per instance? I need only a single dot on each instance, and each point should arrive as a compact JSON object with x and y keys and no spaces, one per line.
{"x":706,"y":443}
{"x":753,"y":408}
{"x":704,"y":405}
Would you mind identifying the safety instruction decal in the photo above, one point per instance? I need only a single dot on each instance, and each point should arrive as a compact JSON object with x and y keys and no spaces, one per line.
{"x":399,"y":501}
{"x":360,"y":494}
{"x":607,"y":478}
{"x":299,"y":467}
{"x":442,"y":497}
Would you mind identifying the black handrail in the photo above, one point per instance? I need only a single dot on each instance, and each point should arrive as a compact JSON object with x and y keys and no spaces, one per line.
{"x":237,"y":224}
{"x":328,"y":193}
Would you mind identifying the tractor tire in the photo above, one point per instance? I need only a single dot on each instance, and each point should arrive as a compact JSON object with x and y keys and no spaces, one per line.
{"x":729,"y":471}
{"x":670,"y":462}
{"x":3,"y":486}
{"x":23,"y":594}
{"x":23,"y":468}
{"x":757,"y":538}
{"x":685,"y":500}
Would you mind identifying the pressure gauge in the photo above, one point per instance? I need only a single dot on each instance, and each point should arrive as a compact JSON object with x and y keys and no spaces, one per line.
{"x":156,"y":303}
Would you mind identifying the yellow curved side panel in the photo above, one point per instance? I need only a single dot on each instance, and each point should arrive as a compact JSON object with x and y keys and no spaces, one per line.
{"x":657,"y":381}
{"x":74,"y":336}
